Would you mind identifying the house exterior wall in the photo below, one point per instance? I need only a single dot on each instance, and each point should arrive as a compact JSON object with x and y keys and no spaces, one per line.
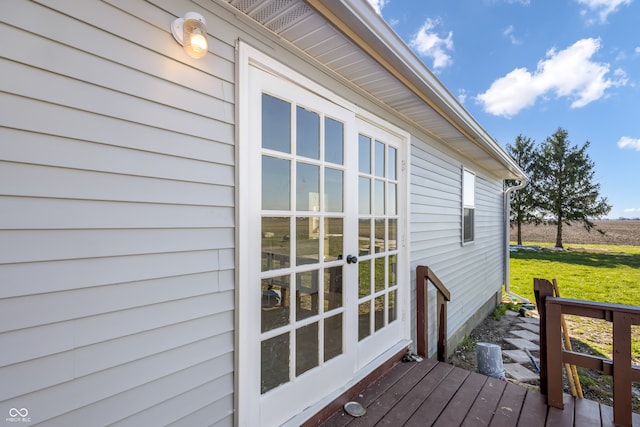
{"x":117,"y":232}
{"x":472,"y":272}
{"x":117,"y":227}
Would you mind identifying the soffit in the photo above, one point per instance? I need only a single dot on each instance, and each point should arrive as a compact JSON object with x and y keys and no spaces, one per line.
{"x":348,"y":47}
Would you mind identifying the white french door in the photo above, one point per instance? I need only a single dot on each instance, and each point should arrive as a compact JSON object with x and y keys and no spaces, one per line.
{"x":321,"y":295}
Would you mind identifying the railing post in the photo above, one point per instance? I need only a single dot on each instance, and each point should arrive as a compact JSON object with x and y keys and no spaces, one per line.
{"x":542,"y":289}
{"x":621,"y":369}
{"x":554,"y":354}
{"x":422,"y":305}
{"x":442,"y":327}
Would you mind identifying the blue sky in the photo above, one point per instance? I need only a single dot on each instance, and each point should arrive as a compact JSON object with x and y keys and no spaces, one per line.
{"x":531,"y":66}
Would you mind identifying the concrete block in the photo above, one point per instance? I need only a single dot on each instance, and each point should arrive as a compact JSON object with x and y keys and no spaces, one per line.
{"x":522,"y":344}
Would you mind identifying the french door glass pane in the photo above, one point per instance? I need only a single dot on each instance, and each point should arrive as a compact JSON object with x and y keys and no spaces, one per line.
{"x":307,"y":133}
{"x":392,"y":202}
{"x":333,"y":238}
{"x":274,"y":354}
{"x":306,"y":294}
{"x":380,"y":235}
{"x":391,"y":163}
{"x":276,"y":124}
{"x":333,"y":141}
{"x":379,"y":197}
{"x":276,"y":245}
{"x":276,"y":183}
{"x":364,"y":320}
{"x":333,"y":188}
{"x":364,"y":278}
{"x":307,"y":187}
{"x":332,"y":288}
{"x":393,"y":308}
{"x":379,"y":159}
{"x":275,"y":307}
{"x":307,"y":348}
{"x":364,"y":237}
{"x":392,"y":238}
{"x":307,"y":241}
{"x":391,"y":271}
{"x":379,"y":274}
{"x":379,"y":312}
{"x":332,"y":337}
{"x":364,"y":196}
{"x":364,"y":154}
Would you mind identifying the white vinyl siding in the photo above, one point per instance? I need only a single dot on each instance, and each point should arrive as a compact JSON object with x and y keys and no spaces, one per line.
{"x":472,"y":273}
{"x":117,"y":233}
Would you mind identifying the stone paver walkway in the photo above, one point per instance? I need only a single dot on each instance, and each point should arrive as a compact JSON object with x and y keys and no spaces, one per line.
{"x":525,"y":335}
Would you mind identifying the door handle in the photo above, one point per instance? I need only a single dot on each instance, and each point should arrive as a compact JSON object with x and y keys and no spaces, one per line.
{"x":352,"y":259}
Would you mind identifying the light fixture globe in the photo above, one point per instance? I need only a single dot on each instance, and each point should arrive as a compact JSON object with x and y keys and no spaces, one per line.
{"x":191,"y":33}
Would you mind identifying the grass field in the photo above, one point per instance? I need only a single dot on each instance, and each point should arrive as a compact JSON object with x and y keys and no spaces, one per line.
{"x":591,"y":268}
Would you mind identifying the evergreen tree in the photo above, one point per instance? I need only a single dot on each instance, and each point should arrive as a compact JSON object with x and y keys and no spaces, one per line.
{"x":564,"y":180}
{"x":523,"y":205}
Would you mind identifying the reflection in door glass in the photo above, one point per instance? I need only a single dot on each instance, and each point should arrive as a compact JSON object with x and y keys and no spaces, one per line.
{"x":307,"y":240}
{"x":274,"y":354}
{"x":364,"y":320}
{"x":307,"y":133}
{"x":307,"y":187}
{"x":364,"y":196}
{"x":364,"y":154}
{"x":332,"y":337}
{"x":379,"y":274}
{"x":333,"y":141}
{"x":276,"y":183}
{"x":332,"y":288}
{"x":275,"y":307}
{"x":393,"y":308}
{"x":379,"y":197}
{"x":364,"y":278}
{"x":306,"y":294}
{"x":392,"y":239}
{"x":307,"y":348}
{"x":276,"y":124}
{"x":391,"y":163}
{"x":333,"y":239}
{"x":276,"y":245}
{"x":333,"y":185}
{"x":379,"y":312}
{"x":379,"y":159}
{"x":364,"y":237}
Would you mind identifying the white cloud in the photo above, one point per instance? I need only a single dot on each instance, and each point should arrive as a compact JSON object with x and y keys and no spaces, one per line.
{"x":630,"y":143}
{"x":462,"y":95}
{"x":428,"y":43}
{"x":637,"y":49}
{"x":567,"y":73}
{"x":509,"y":33}
{"x":378,"y":5}
{"x":603,"y":7}
{"x":631,"y":210}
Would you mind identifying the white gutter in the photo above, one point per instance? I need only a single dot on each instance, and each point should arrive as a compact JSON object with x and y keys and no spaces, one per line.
{"x":507,"y":229}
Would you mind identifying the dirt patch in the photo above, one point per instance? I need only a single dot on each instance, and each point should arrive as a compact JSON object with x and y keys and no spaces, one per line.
{"x":616,"y":232}
{"x":595,"y":386}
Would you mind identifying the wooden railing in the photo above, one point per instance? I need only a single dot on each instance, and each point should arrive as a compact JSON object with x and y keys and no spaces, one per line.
{"x":552,"y":356}
{"x":424,"y":275}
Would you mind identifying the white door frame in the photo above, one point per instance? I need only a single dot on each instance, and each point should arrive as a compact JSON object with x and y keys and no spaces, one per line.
{"x":247,"y":373}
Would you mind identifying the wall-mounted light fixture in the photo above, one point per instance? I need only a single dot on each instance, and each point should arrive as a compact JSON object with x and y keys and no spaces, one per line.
{"x":191,"y":33}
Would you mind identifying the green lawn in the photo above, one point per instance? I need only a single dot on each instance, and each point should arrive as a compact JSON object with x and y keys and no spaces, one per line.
{"x":586,"y":272}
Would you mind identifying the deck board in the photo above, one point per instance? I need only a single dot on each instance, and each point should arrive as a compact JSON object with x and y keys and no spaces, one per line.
{"x":431,"y":393}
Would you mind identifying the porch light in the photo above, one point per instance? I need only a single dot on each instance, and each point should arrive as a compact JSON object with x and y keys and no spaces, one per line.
{"x":191,"y":33}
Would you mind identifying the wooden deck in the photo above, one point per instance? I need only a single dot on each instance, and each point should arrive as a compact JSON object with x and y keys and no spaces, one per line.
{"x":431,"y":393}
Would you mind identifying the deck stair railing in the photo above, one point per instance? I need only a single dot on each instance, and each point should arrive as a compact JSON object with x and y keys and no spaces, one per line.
{"x":424,"y":276}
{"x":552,"y":355}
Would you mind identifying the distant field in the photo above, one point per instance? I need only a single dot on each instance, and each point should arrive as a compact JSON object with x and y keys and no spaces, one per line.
{"x":617,"y":232}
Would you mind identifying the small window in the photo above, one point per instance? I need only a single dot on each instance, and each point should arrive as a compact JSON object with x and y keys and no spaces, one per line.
{"x":468,"y":205}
